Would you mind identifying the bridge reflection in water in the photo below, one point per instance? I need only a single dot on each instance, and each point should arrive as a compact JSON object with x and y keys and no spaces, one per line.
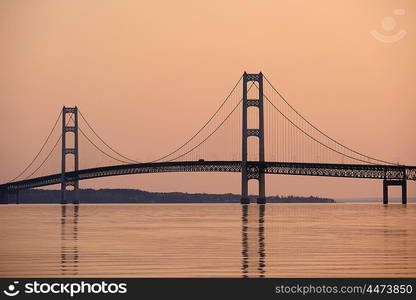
{"x":253,"y":241}
{"x":69,"y":239}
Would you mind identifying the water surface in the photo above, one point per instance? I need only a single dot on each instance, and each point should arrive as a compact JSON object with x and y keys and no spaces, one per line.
{"x":208,"y":240}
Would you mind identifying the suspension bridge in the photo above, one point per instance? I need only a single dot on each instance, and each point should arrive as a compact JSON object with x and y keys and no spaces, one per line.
{"x":255,"y":131}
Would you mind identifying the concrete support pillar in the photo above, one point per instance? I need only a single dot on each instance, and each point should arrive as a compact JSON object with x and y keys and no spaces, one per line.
{"x":4,"y":197}
{"x":400,"y":182}
{"x":404,"y":192}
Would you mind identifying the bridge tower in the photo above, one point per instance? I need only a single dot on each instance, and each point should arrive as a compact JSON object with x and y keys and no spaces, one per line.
{"x":253,"y":171}
{"x":71,"y":112}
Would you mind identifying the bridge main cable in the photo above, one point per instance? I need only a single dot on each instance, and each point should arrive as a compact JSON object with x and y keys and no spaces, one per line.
{"x":47,"y":157}
{"x":112,"y":149}
{"x":41,"y":149}
{"x":102,"y":151}
{"x":174,"y":151}
{"x":308,"y":135}
{"x":213,"y":132}
{"x":203,"y":127}
{"x":321,"y":132}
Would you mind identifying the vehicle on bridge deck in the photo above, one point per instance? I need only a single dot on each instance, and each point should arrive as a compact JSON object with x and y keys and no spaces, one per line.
{"x":201,"y":160}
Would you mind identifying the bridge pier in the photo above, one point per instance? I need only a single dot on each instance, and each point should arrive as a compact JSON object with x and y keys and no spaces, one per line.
{"x":385,"y":192}
{"x":262,"y":188}
{"x":245,"y":200}
{"x":4,"y":197}
{"x":261,"y":200}
{"x":389,"y":182}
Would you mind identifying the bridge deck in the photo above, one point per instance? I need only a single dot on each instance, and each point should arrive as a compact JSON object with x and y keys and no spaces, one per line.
{"x":390,"y":172}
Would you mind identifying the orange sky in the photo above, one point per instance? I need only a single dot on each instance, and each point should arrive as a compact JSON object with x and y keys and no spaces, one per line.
{"x":149,"y":73}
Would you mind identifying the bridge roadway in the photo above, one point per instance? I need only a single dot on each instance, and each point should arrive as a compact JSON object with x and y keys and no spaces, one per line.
{"x":388,"y":172}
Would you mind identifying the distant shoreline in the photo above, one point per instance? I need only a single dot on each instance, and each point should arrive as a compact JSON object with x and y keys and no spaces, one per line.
{"x":39,"y":196}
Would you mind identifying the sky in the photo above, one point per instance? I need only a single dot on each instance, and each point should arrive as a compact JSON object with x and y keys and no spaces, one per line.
{"x":150,"y":73}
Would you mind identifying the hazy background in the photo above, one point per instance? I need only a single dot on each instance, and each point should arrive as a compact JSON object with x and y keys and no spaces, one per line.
{"x":149,"y":73}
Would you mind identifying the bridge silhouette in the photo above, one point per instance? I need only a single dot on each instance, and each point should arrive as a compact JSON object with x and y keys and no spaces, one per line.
{"x":288,"y":145}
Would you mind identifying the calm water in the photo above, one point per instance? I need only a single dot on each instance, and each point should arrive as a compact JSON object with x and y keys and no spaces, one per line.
{"x":207,"y":240}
